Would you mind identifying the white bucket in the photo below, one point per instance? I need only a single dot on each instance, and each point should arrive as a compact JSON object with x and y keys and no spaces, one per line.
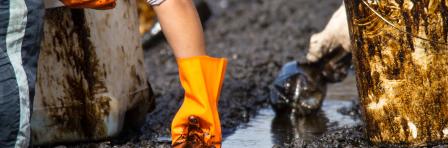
{"x":91,"y":75}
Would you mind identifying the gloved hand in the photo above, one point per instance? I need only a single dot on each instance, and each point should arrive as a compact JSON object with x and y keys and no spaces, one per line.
{"x":94,"y":4}
{"x":197,"y":123}
{"x":335,"y":35}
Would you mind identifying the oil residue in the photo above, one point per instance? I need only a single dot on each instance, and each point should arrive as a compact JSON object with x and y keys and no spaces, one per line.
{"x":267,"y":129}
{"x":400,"y":53}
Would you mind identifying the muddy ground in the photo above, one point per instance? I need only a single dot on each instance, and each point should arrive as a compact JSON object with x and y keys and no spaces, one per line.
{"x":257,"y":37}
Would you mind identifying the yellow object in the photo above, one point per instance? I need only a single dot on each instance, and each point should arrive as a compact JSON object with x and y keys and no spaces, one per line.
{"x":94,"y":4}
{"x":202,"y":79}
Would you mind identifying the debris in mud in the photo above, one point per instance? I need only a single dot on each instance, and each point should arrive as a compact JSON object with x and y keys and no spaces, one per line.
{"x":300,"y":88}
{"x":348,"y":137}
{"x":354,"y":110}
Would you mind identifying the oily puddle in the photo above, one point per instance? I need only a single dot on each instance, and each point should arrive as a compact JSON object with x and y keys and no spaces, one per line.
{"x":266,"y":129}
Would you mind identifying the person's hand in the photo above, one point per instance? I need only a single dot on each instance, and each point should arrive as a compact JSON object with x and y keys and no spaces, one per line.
{"x":335,"y":35}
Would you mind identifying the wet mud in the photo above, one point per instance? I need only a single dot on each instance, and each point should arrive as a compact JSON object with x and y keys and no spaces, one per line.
{"x":257,"y":37}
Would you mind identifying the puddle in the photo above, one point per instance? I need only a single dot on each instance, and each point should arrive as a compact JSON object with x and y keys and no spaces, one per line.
{"x":267,"y":129}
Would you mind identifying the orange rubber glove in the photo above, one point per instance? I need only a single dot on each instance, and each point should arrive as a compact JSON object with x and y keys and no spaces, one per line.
{"x":197,"y":123}
{"x":93,"y":4}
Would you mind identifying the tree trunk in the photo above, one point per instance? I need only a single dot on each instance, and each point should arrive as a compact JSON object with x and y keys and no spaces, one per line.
{"x":400,"y":53}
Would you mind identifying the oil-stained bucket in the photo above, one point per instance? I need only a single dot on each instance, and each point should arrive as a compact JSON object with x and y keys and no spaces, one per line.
{"x":91,"y":79}
{"x":401,"y":59}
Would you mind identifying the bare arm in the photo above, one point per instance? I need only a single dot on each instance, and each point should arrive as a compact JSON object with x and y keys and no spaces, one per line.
{"x":182,"y":27}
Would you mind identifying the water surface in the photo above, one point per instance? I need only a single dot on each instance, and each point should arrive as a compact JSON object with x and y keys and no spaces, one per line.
{"x":267,"y":129}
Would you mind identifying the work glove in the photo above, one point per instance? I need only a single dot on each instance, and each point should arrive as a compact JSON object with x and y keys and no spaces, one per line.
{"x":197,"y":123}
{"x":334,"y":36}
{"x":93,"y":4}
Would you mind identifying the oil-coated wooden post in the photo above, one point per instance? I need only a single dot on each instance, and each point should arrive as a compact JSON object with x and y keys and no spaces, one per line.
{"x":400,"y":52}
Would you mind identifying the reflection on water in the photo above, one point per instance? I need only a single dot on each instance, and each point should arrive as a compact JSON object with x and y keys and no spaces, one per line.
{"x":284,"y":129}
{"x":267,"y":129}
{"x":255,"y":134}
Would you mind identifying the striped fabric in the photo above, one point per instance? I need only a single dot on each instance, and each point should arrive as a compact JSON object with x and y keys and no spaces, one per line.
{"x":155,"y":2}
{"x":20,"y":35}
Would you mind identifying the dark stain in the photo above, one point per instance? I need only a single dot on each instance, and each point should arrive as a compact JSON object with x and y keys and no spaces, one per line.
{"x":371,"y":47}
{"x":105,"y":71}
{"x":80,"y":111}
{"x":140,"y":62}
{"x":444,"y":12}
{"x":137,"y":78}
{"x":408,"y":26}
{"x":135,"y":116}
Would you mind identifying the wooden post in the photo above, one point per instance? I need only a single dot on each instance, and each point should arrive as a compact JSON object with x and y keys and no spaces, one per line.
{"x":401,"y":57}
{"x":91,"y":75}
